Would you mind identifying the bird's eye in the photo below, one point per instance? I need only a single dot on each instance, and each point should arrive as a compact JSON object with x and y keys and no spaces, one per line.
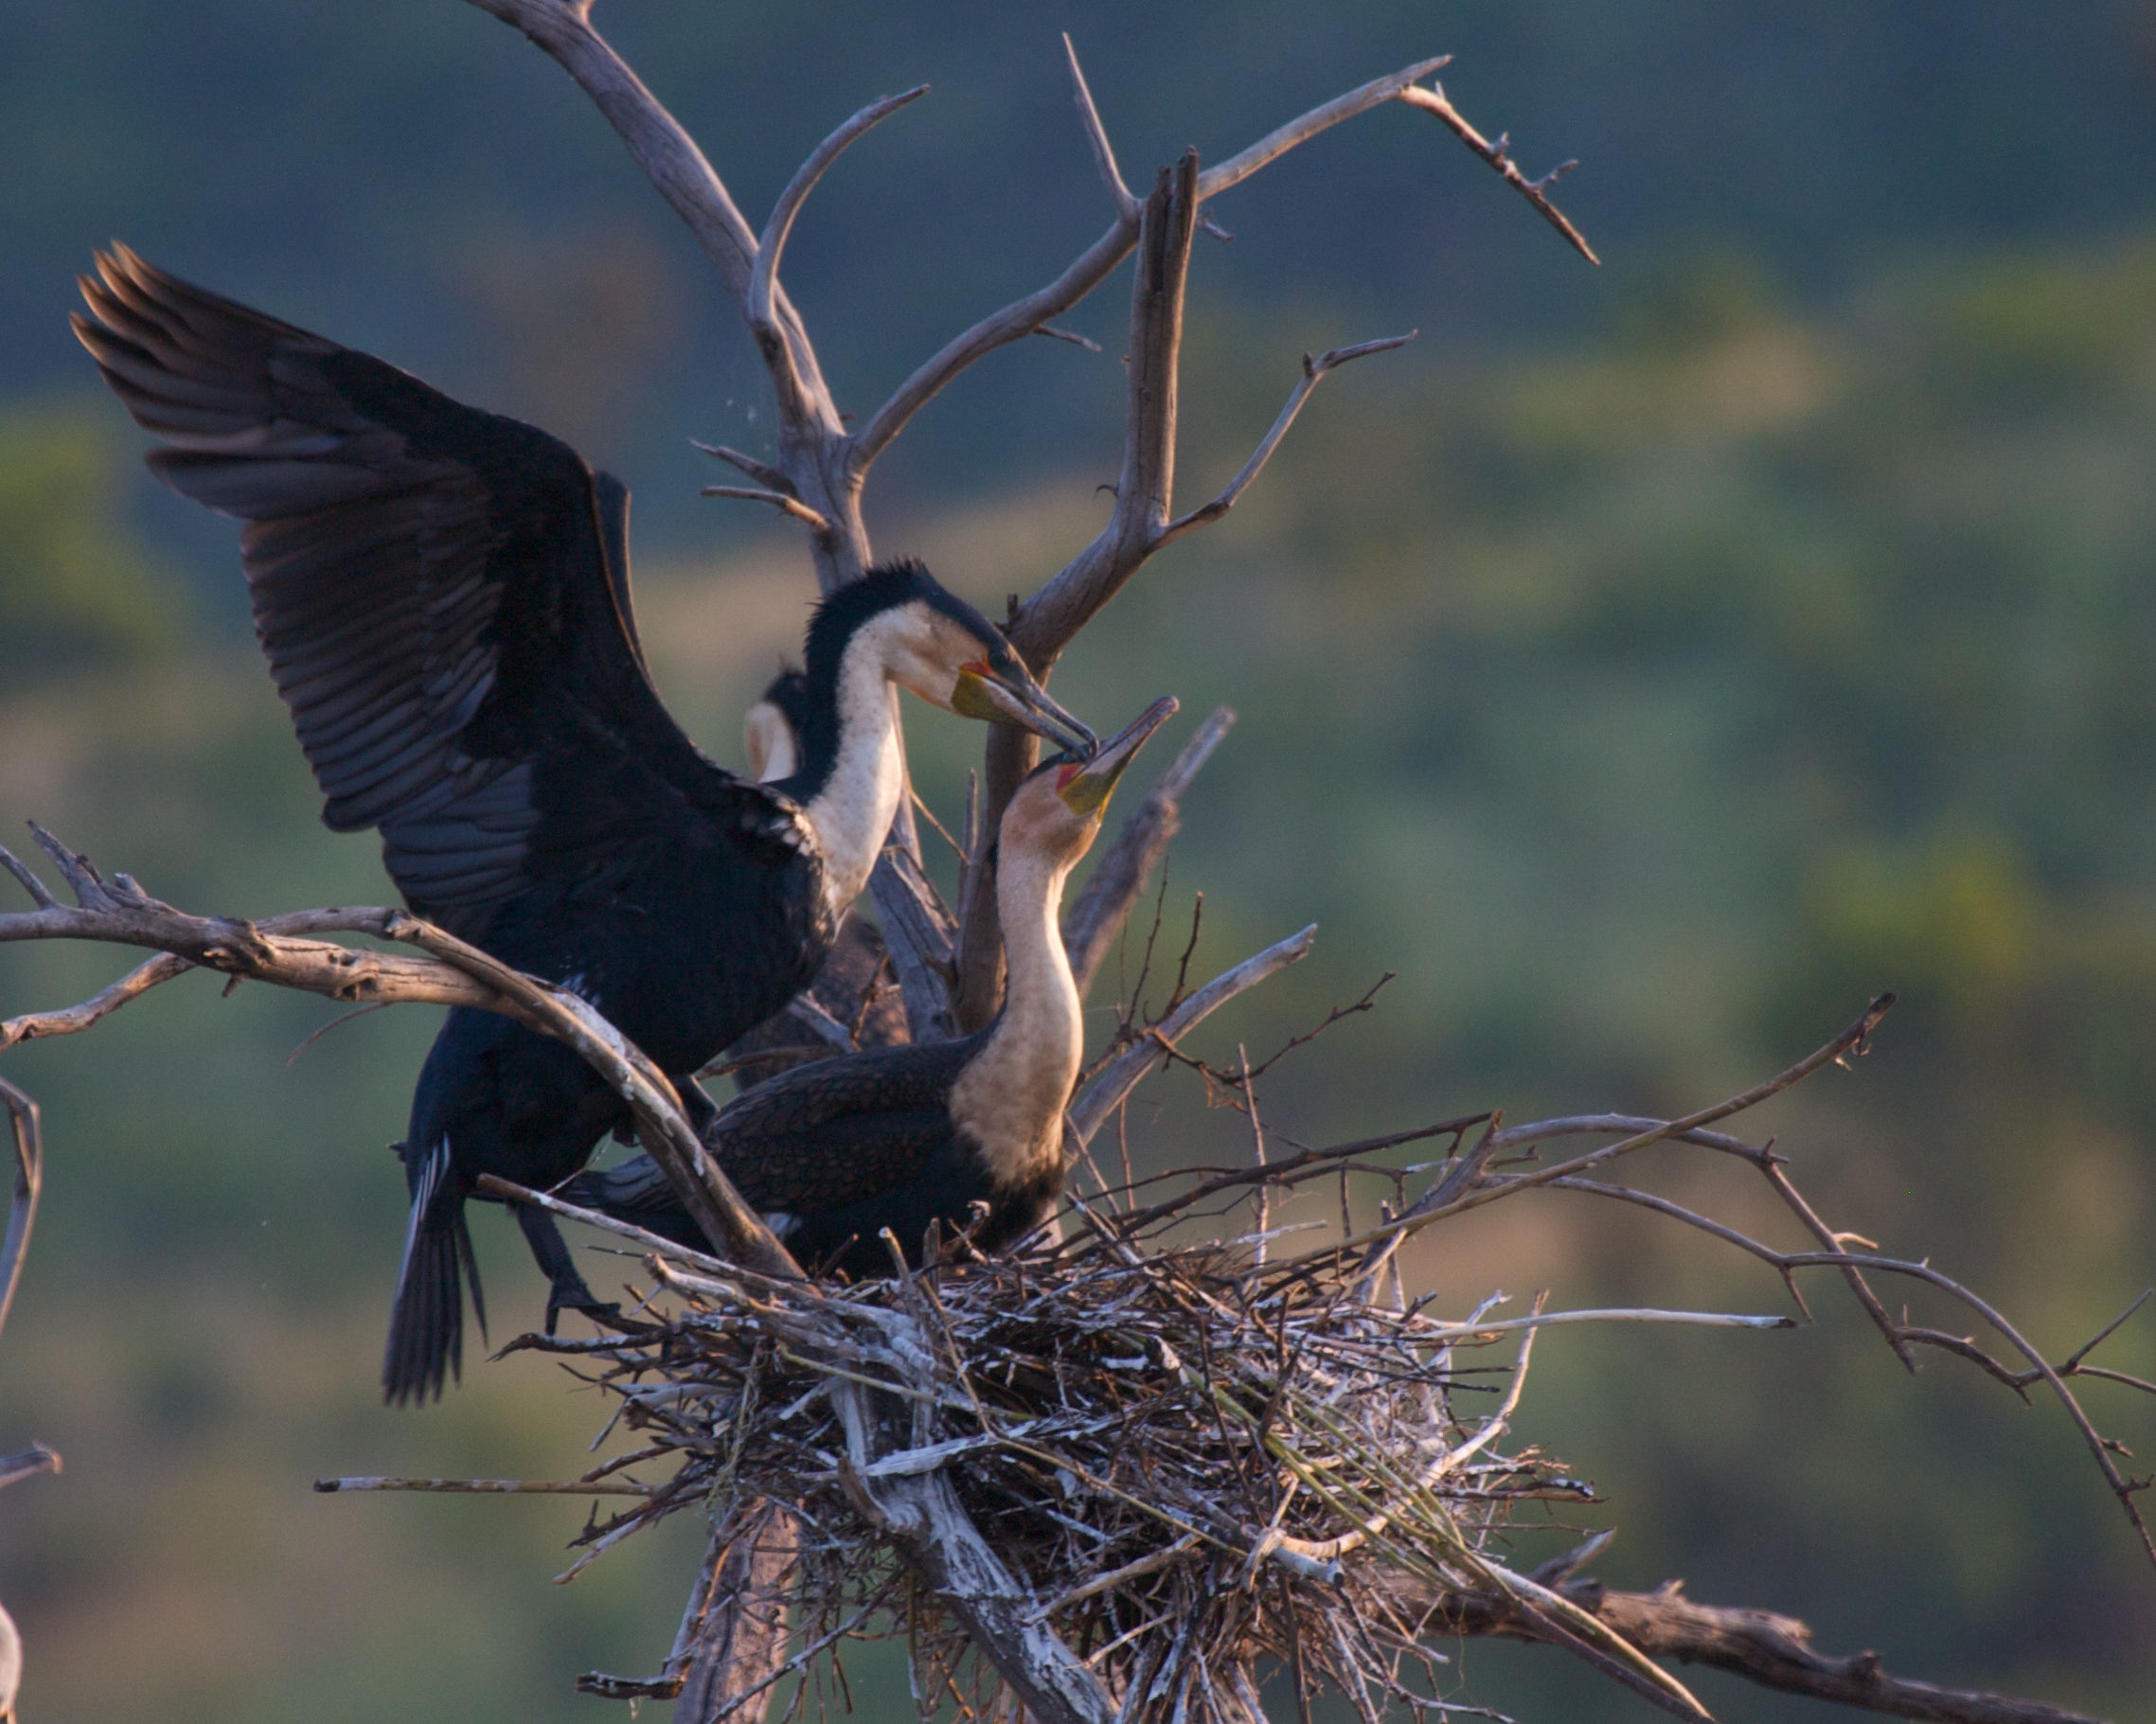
{"x":1065,"y":773}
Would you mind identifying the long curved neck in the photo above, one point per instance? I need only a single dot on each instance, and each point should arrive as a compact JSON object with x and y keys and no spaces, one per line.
{"x":1011,"y":1097}
{"x":851,"y":772}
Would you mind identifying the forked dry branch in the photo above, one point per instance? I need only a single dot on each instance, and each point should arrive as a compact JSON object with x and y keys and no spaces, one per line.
{"x":950,"y":972}
{"x":1116,"y":1475}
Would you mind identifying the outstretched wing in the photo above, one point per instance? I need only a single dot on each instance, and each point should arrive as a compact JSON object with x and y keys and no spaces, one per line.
{"x":443,"y":595}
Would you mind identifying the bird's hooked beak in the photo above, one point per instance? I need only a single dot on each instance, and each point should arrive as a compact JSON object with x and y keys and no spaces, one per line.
{"x":1008,"y":695}
{"x":1084,"y":786}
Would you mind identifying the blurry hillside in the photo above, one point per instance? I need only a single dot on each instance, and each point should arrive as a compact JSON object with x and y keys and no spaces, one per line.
{"x":1648,"y":666}
{"x":1645,"y":705}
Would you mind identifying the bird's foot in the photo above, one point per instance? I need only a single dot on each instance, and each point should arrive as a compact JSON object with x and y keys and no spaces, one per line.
{"x":580,"y":1299}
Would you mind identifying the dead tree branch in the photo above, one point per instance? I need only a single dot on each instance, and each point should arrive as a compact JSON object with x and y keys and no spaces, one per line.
{"x":1464,"y":1183}
{"x":1142,"y":521}
{"x":731,"y":1645}
{"x":1772,"y":1650}
{"x":451,"y":973}
{"x":940,"y":1542}
{"x":22,"y":1128}
{"x":1498,"y":155}
{"x":1093,"y":922}
{"x":1097,"y":136}
{"x":819,"y":468}
{"x":1851,"y":1042}
{"x":1098,"y":262}
{"x":37,"y":1458}
{"x":682,"y":174}
{"x":1314,"y":371}
{"x":1901,"y":1335}
{"x":763,"y":277}
{"x":138,"y":982}
{"x":1099,"y":1098}
{"x":779,"y":500}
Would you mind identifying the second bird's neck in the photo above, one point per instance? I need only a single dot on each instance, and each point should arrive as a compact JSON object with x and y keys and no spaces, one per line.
{"x":1011,"y":1097}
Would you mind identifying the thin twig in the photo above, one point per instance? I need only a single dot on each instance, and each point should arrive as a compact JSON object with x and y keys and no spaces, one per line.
{"x":1498,"y":155}
{"x":132,"y":985}
{"x":1262,"y":1195}
{"x":768,"y":477}
{"x":1097,"y":136}
{"x":1852,"y":1040}
{"x":779,"y":500}
{"x":492,"y":1487}
{"x":28,"y":1143}
{"x":1094,"y":1103}
{"x":1314,"y":372}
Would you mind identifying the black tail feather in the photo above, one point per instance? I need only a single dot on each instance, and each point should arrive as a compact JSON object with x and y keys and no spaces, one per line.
{"x":426,"y":1327}
{"x":464,"y":1255}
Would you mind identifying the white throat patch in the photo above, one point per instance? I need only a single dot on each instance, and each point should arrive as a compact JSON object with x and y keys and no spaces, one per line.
{"x":852,"y":813}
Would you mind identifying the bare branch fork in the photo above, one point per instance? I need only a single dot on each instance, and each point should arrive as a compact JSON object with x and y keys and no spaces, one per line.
{"x":819,"y":468}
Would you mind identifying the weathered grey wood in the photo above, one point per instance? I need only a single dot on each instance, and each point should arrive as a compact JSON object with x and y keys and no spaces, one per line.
{"x":923,"y":1516}
{"x":733,"y":1635}
{"x":452,"y":973}
{"x":1764,"y":1646}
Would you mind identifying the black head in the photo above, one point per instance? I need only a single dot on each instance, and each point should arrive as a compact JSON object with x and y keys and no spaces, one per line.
{"x":939,"y":647}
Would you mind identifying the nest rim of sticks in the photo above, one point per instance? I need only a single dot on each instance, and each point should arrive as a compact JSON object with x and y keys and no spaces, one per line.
{"x":1341,"y":1574}
{"x":1196,"y":1459}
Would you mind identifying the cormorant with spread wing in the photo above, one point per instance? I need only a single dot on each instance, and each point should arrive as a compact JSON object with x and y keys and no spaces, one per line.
{"x":836,"y":1151}
{"x":443,"y":595}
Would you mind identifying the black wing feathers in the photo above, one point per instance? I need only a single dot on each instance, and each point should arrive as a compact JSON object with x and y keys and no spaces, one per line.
{"x":443,"y":595}
{"x":814,"y":1139}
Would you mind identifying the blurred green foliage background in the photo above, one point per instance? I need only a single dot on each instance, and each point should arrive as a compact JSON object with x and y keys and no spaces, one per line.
{"x":1648,"y":665}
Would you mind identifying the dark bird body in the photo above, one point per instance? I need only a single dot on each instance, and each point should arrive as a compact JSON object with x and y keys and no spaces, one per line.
{"x":443,"y":596}
{"x":835,"y":1153}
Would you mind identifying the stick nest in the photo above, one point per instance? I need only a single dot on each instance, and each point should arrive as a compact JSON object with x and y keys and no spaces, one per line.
{"x":1186,"y":1462}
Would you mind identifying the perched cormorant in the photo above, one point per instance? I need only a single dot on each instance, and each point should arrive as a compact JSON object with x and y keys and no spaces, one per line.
{"x":836,"y":1151}
{"x":443,"y":595}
